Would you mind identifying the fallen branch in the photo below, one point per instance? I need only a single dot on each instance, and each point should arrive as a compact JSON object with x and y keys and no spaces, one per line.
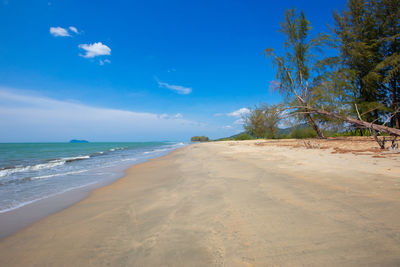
{"x":358,"y":123}
{"x":381,"y":143}
{"x":374,"y":128}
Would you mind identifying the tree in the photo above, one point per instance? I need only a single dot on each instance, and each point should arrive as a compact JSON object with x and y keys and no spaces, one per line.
{"x":369,"y":43}
{"x":388,"y":17}
{"x":262,"y":122}
{"x":366,"y":72}
{"x":296,"y":70}
{"x":328,"y":87}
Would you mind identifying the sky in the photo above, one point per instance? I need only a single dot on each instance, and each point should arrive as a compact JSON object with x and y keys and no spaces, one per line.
{"x":138,"y":70}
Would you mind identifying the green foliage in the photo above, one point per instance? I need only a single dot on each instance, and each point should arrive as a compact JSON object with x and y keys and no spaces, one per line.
{"x":237,"y":137}
{"x":352,"y":132}
{"x":262,"y":121}
{"x":243,"y":136}
{"x":199,"y":139}
{"x":255,"y":122}
{"x":223,"y":139}
{"x":301,"y":133}
{"x":284,"y":136}
{"x":368,"y":32}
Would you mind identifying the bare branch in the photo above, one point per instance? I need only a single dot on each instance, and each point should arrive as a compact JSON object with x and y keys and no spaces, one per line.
{"x":306,"y":91}
{"x":358,"y":113}
{"x":290,"y":77}
{"x":369,"y":111}
{"x":301,"y":85}
{"x":394,"y":113}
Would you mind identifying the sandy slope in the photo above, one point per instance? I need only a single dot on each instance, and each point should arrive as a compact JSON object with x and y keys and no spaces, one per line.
{"x":228,"y":204}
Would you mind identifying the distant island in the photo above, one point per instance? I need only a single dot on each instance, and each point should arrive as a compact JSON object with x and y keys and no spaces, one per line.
{"x":78,"y":141}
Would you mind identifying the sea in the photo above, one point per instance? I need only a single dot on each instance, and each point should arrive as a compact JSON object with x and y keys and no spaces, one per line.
{"x":30,"y":172}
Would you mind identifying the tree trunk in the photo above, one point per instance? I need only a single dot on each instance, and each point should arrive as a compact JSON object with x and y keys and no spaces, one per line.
{"x":314,"y":126}
{"x":310,"y":120}
{"x":359,"y":123}
{"x":395,"y":105}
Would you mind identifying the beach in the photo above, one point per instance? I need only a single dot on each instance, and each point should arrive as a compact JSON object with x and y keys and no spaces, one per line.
{"x":247,"y":203}
{"x":39,"y":179}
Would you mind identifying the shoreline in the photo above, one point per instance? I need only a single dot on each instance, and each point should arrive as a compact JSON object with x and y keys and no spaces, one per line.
{"x":16,"y":219}
{"x":228,"y":203}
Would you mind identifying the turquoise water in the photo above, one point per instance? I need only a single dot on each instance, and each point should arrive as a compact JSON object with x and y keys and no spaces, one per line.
{"x":34,"y":171}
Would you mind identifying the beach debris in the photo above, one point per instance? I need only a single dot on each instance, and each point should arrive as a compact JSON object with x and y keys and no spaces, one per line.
{"x":311,"y":145}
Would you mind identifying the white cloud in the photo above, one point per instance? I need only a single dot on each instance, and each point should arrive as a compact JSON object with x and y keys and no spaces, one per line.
{"x":58,"y":31}
{"x":102,"y":62}
{"x":94,"y":50}
{"x":176,"y":88}
{"x":178,"y":116}
{"x":62,"y":32}
{"x":73,"y":29}
{"x":227,"y":127}
{"x":239,"y":121}
{"x":26,"y":117}
{"x":239,"y":112}
{"x":166,"y":116}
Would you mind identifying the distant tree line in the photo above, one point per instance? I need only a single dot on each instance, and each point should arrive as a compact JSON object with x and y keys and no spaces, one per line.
{"x":199,"y":139}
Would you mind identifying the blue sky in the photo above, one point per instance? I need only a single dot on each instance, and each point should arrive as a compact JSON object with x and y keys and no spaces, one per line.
{"x":166,"y":70}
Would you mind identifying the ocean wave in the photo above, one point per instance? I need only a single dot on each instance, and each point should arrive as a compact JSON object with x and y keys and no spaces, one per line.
{"x":51,"y":164}
{"x":117,"y":148}
{"x":54,"y":175}
{"x":71,"y":159}
{"x":128,"y":159}
{"x":156,"y":150}
{"x":100,"y":160}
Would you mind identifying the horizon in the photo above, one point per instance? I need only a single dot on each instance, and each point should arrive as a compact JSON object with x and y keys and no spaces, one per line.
{"x":138,"y":71}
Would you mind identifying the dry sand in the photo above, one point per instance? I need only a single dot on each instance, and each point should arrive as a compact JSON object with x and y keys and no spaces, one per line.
{"x":250,"y":203}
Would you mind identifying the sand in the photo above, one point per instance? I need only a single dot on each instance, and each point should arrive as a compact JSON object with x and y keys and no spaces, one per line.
{"x":250,"y":203}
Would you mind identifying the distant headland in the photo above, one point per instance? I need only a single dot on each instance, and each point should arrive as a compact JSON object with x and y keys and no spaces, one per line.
{"x":78,"y":141}
{"x":199,"y":139}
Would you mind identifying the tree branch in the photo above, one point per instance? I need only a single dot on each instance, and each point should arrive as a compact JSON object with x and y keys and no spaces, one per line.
{"x":355,"y":122}
{"x":358,"y":113}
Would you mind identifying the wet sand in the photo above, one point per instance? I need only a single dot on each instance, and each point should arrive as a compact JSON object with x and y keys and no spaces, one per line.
{"x":228,"y":204}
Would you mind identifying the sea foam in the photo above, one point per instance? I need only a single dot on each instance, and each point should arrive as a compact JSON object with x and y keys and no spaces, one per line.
{"x":51,"y":164}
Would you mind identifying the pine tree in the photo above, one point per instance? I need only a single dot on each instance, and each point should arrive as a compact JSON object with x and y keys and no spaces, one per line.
{"x":296,"y":70}
{"x":388,"y":70}
{"x":368,"y":32}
